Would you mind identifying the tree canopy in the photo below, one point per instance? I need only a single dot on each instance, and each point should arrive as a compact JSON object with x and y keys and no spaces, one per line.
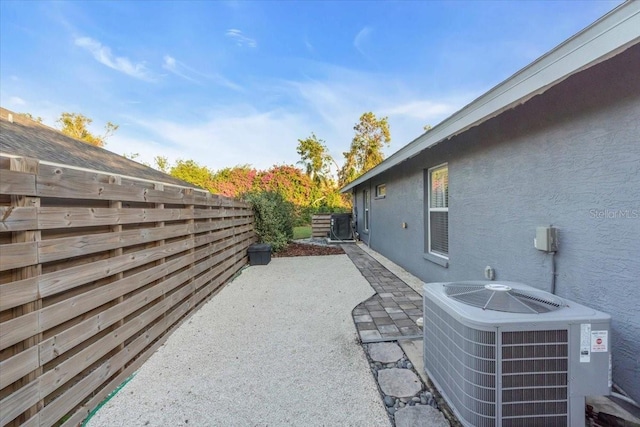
{"x":315,"y":157}
{"x":31,"y":117}
{"x":76,"y":126}
{"x":316,"y":189}
{"x":372,"y":134}
{"x":235,"y":181}
{"x":191,"y":171}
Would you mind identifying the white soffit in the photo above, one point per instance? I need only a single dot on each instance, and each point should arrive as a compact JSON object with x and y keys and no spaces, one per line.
{"x":616,"y":31}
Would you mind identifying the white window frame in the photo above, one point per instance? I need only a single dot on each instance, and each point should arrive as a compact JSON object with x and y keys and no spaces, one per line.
{"x":430,"y":209}
{"x":367,"y":208}
{"x":381,"y":187}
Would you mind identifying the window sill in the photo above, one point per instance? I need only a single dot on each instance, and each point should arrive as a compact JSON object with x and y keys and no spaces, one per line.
{"x":436,"y":259}
{"x":380,"y":197}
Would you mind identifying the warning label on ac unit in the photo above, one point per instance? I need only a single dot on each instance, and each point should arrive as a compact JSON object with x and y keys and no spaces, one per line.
{"x":599,"y":341}
{"x":585,"y":343}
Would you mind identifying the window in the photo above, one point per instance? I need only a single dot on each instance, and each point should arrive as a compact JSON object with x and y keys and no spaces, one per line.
{"x":367,"y":202}
{"x":438,"y":222}
{"x":381,"y":191}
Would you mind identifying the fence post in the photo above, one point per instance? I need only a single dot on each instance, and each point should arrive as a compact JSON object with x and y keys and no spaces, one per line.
{"x":117,"y":204}
{"x":188,"y":192}
{"x":30,"y":166}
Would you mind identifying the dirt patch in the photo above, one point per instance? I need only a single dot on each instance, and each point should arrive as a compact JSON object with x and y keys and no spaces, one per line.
{"x":301,"y":249}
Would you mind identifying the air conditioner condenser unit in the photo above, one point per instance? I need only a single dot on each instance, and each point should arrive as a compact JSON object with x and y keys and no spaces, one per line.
{"x":508,"y":354}
{"x":340,"y":227}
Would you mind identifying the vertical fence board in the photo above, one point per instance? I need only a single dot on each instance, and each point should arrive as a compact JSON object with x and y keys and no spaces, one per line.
{"x":30,"y":269}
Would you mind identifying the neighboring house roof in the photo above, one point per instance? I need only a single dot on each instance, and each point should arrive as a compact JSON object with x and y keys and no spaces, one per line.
{"x":616,"y":31}
{"x":24,"y":137}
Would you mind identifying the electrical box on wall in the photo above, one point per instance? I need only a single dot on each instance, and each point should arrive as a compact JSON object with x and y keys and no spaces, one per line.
{"x":546,"y":239}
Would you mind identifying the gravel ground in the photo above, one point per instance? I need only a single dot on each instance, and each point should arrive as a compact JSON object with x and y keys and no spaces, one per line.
{"x":275,"y":347}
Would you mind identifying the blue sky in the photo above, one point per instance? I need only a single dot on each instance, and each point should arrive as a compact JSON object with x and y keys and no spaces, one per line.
{"x":235,"y":82}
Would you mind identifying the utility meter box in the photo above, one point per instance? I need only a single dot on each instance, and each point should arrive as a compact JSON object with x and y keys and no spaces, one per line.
{"x":546,"y":239}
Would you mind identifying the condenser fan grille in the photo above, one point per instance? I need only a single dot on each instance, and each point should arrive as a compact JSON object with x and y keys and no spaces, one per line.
{"x":505,"y":298}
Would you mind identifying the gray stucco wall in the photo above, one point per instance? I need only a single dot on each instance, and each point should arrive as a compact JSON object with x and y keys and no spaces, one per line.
{"x":565,"y":158}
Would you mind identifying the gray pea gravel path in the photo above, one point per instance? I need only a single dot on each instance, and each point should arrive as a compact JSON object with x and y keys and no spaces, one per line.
{"x":276,"y":347}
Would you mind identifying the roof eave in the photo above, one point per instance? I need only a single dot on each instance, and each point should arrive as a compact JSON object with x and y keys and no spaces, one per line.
{"x":608,"y":36}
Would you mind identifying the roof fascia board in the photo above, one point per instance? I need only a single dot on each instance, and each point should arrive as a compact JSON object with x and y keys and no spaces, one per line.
{"x":608,"y":36}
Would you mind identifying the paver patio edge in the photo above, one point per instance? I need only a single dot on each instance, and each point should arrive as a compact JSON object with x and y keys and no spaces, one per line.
{"x":391,"y":313}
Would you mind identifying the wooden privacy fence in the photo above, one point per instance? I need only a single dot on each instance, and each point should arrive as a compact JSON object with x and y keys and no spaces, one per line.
{"x":96,"y":270}
{"x":320,"y":225}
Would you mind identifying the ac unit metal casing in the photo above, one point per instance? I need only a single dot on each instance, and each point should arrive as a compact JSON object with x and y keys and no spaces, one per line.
{"x":498,"y":368}
{"x":340,"y":227}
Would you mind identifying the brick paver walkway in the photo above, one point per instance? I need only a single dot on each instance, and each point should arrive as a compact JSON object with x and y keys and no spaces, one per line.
{"x":392,"y":312}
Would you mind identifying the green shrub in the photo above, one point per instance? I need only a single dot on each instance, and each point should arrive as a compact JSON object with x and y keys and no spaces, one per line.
{"x":273,"y":218}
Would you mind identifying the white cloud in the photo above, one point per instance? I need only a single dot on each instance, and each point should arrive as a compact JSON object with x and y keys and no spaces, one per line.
{"x":361,"y":38}
{"x":16,"y":101}
{"x":121,"y":143}
{"x":103,"y":55}
{"x":231,"y":133}
{"x":229,"y":136}
{"x":170,"y":64}
{"x":237,"y":135}
{"x":339,"y":99}
{"x":309,"y":46}
{"x":422,"y":110}
{"x":240,"y":39}
{"x":181,"y":69}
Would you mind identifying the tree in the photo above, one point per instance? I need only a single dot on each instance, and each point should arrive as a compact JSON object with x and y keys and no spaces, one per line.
{"x":288,"y":181}
{"x":235,"y":181}
{"x":134,"y":156}
{"x":190,"y":171}
{"x":366,"y":147}
{"x":315,"y":158}
{"x":75,"y":125}
{"x":162,"y":164}
{"x":30,"y":116}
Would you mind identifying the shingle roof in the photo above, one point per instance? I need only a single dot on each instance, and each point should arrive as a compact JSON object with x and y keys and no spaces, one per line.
{"x":25,"y":137}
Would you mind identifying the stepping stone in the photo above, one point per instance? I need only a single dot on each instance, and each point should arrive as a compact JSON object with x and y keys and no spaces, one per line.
{"x":420,"y":416}
{"x":385,"y":352}
{"x":399,"y":382}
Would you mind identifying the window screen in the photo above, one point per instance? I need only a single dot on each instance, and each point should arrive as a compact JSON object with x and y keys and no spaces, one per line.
{"x":439,"y":210}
